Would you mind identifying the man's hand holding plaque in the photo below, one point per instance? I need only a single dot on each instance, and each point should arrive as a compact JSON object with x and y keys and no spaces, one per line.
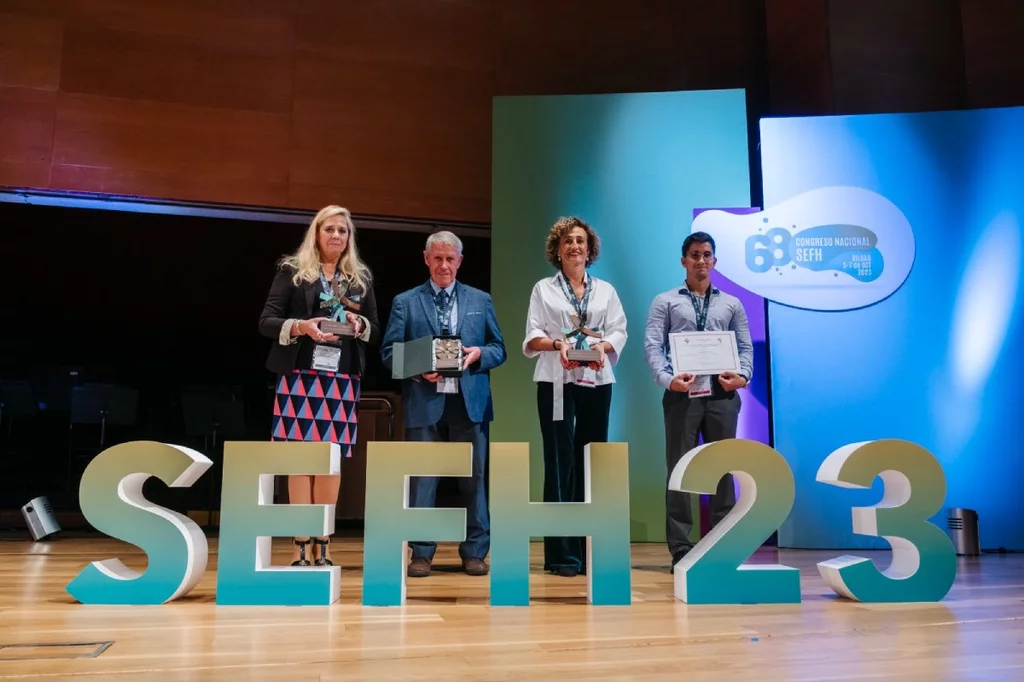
{"x":470,"y":354}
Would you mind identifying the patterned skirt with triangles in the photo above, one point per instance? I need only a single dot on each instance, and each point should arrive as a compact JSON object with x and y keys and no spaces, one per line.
{"x":311,"y":405}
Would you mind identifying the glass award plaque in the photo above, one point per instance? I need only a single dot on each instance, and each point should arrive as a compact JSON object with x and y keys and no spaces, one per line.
{"x":447,"y":355}
{"x":338,"y":328}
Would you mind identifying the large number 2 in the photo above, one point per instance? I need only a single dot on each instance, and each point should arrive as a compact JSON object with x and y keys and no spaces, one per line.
{"x":923,"y":564}
{"x":712,"y":572}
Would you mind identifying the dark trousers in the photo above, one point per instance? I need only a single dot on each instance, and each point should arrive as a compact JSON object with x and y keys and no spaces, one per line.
{"x":455,"y":427}
{"x":584,"y":420}
{"x":686,"y":420}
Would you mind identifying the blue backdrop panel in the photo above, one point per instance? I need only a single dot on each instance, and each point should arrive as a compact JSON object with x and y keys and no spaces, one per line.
{"x":938,"y":362}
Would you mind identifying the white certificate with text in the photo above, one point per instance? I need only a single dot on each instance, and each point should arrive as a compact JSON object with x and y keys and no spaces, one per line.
{"x":704,"y":352}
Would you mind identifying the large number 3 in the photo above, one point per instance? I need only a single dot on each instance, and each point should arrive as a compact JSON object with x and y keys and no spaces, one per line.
{"x":923,"y":563}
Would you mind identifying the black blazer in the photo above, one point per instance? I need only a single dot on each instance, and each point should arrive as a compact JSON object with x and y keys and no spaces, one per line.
{"x":287,"y":301}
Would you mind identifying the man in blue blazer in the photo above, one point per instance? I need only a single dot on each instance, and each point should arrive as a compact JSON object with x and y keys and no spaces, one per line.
{"x":449,"y":409}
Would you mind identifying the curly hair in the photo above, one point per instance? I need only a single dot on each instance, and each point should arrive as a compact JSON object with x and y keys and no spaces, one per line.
{"x":561,"y":228}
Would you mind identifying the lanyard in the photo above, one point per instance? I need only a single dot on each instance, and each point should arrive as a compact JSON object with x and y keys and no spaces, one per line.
{"x":332,"y":295}
{"x":701,"y":312}
{"x":579,"y":306}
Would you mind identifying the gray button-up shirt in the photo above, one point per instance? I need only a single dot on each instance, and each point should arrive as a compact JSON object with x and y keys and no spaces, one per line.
{"x":673,"y":312}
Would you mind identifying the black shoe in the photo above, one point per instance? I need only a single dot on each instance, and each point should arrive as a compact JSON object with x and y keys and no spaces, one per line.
{"x":321,"y":561}
{"x":677,"y":557}
{"x":302,"y":560}
{"x":566,"y":571}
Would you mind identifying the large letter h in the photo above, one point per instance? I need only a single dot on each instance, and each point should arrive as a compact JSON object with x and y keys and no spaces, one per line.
{"x":603,"y":518}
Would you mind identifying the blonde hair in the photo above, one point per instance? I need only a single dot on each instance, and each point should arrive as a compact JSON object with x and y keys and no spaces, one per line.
{"x":306,"y":259}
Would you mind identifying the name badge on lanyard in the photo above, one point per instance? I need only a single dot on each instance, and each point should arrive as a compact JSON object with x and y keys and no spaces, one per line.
{"x":326,"y":358}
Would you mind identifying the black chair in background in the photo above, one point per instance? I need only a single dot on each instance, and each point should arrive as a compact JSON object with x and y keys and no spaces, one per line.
{"x":105,"y":405}
{"x":17,"y":403}
{"x":213,"y":415}
{"x":53,"y":385}
{"x":16,"y":400}
{"x":101,"y":405}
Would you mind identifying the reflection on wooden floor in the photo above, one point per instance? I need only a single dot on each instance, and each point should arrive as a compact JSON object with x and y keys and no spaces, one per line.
{"x":447,"y":631}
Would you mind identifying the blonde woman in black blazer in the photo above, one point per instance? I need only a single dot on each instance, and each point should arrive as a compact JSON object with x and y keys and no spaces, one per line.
{"x":318,"y":374}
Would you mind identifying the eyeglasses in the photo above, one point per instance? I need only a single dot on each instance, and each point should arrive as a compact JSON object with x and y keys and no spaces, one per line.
{"x":697,"y":256}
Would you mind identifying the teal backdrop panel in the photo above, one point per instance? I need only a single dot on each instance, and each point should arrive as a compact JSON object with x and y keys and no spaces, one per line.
{"x":634,"y":166}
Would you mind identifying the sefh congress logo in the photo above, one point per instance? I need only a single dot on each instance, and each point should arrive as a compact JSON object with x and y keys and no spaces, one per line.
{"x":834,"y":248}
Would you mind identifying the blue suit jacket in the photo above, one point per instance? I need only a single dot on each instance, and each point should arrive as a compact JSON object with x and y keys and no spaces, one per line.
{"x":413,"y":316}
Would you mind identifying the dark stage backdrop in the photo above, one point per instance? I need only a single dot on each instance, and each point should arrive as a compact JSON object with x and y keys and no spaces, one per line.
{"x":159,"y":303}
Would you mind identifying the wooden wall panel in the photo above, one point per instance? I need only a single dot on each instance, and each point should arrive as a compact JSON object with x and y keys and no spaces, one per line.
{"x":393,"y":107}
{"x":590,"y":47}
{"x":228,"y":54}
{"x":993,"y":34}
{"x":800,"y":82}
{"x":162,"y":68}
{"x":385,"y":105}
{"x":31,"y":35}
{"x":896,"y":56}
{"x":258,"y":25}
{"x":122,"y":146}
{"x":26,"y":135}
{"x":187,"y":100}
{"x":722,"y":44}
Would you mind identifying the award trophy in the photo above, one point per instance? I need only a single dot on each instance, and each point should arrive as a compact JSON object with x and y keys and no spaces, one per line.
{"x":339,"y":328}
{"x":428,"y":354}
{"x":584,"y":356}
{"x":447,"y":356}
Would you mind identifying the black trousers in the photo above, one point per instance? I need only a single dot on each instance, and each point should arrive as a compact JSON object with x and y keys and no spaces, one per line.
{"x":686,"y":420}
{"x":585,"y":412}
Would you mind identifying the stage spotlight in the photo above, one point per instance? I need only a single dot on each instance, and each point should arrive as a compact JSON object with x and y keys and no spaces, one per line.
{"x":40,"y":519}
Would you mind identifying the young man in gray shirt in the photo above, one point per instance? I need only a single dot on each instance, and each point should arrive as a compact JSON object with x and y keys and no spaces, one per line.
{"x":696,"y":406}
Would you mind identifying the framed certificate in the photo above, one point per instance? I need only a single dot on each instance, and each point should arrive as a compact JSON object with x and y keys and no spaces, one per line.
{"x":704,"y":352}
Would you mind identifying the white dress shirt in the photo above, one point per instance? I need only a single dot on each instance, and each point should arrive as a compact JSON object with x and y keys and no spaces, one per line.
{"x":550,"y":312}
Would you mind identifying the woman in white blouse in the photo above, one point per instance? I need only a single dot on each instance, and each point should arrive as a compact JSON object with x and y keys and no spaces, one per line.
{"x":572,"y":309}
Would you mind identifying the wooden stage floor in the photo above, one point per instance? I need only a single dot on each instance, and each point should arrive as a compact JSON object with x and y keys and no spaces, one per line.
{"x":448,"y":632}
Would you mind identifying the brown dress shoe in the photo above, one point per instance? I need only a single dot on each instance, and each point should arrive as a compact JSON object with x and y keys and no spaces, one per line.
{"x":475,"y":566}
{"x":419,"y":568}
